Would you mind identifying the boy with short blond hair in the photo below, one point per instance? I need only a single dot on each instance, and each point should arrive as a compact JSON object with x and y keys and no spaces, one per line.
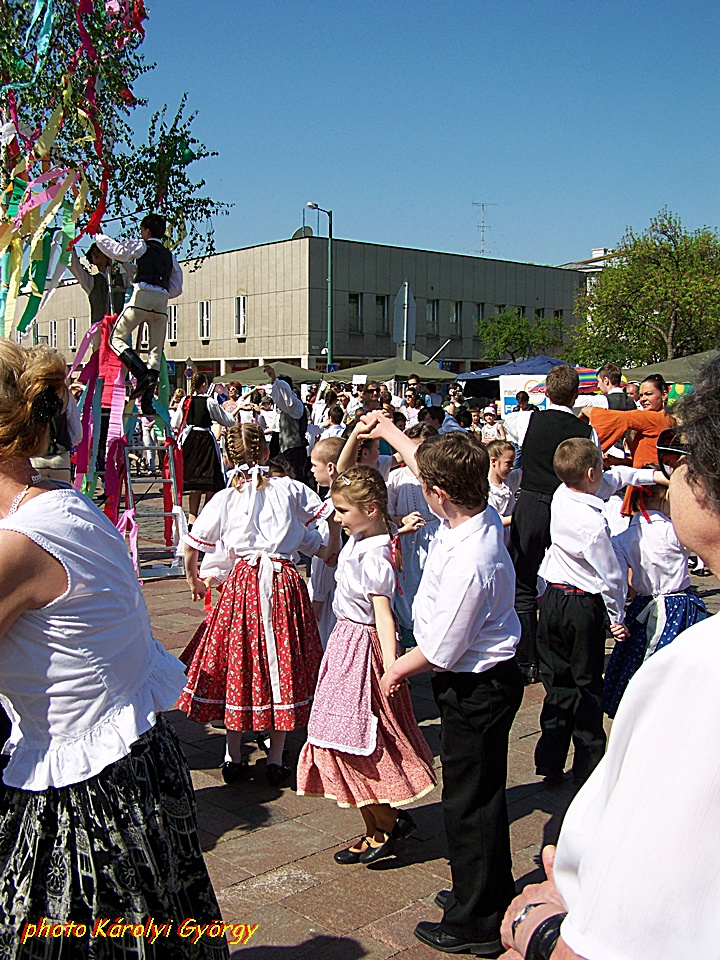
{"x":466,"y":630}
{"x":585,"y":586}
{"x":321,"y":587}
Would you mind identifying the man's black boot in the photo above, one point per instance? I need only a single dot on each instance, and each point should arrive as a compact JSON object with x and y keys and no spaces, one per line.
{"x":146,"y":400}
{"x":137,"y":368}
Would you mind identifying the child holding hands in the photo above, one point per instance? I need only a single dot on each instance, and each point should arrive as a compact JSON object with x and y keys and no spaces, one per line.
{"x":363,"y":749}
{"x":255,"y":666}
{"x":466,"y":629}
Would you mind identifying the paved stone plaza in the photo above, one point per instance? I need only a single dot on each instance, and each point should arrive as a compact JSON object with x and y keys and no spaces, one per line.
{"x":269,"y":852}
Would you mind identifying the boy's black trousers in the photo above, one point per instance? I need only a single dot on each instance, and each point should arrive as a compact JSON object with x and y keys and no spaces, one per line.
{"x":571,"y":647}
{"x":477,"y":711}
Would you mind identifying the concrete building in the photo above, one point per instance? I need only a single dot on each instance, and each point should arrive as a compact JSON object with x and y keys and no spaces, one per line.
{"x":269,"y":302}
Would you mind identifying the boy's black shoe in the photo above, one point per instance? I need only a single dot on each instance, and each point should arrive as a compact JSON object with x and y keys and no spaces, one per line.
{"x":434,"y":936}
{"x":442,"y":898}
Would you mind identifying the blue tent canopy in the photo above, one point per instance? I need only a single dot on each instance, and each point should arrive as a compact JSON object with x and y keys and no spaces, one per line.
{"x":534,"y":367}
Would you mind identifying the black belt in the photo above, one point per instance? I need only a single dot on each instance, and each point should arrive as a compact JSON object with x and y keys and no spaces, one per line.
{"x":571,"y":591}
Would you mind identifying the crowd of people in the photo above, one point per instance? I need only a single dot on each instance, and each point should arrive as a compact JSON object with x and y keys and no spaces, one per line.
{"x":494,"y":552}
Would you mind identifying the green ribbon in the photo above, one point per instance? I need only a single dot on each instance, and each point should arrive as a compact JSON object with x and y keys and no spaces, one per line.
{"x":4,"y":287}
{"x":38,"y":275}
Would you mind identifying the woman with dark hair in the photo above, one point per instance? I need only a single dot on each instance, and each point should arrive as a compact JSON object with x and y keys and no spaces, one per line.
{"x":202,"y":461}
{"x":636,"y":874}
{"x":647,"y":424}
{"x":98,"y":812}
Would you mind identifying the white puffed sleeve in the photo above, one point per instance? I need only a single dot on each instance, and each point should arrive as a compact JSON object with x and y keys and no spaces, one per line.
{"x":379,"y":577}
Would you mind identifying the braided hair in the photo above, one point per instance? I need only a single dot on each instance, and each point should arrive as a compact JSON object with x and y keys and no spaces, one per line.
{"x":362,"y":486}
{"x":246,"y":446}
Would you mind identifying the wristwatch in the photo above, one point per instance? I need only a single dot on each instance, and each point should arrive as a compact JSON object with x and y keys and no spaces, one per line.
{"x":521,"y":916}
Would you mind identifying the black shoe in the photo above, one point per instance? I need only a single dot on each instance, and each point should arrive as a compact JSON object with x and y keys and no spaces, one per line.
{"x":350,"y":855}
{"x":234,"y":772}
{"x":434,"y":936}
{"x":443,"y":898}
{"x":379,"y":853}
{"x":551,"y":778}
{"x":276,"y":773}
{"x":404,"y":826}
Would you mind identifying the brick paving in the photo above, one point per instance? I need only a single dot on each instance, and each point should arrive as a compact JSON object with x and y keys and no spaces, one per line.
{"x":269,"y":852}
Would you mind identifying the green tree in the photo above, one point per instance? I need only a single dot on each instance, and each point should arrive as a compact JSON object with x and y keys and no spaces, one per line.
{"x":71,"y":67}
{"x":657,"y":299}
{"x":510,"y":335}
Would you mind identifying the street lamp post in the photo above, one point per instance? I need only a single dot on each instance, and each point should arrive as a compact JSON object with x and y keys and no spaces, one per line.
{"x":314,"y":206}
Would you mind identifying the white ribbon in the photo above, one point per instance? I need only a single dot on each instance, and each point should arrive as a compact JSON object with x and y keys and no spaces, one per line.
{"x":180,"y":529}
{"x":267,"y":566}
{"x":654,"y":616}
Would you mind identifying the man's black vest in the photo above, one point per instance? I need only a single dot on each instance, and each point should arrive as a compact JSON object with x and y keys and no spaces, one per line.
{"x":546,"y":431}
{"x":620,"y":401}
{"x":155,"y":266}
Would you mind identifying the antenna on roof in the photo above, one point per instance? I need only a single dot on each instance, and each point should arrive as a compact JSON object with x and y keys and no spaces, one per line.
{"x":481,"y":226}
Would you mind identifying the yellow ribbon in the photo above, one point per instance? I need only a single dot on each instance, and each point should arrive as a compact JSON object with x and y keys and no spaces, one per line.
{"x":16,"y":256}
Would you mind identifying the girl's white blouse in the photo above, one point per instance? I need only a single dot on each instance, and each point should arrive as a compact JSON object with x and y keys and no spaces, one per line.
{"x":365,"y":569}
{"x":83,"y":677}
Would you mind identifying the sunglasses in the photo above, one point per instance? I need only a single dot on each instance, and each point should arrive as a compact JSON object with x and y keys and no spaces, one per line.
{"x":670,"y":450}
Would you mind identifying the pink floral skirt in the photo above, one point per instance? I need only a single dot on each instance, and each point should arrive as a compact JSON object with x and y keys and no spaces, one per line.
{"x":398,"y":771}
{"x":228,"y":677}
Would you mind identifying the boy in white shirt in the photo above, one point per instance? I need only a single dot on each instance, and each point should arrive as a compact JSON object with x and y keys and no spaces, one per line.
{"x":324,"y":458}
{"x":466,"y":629}
{"x":585,"y":587}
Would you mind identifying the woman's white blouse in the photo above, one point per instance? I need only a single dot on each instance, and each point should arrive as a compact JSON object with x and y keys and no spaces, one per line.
{"x":84,"y":676}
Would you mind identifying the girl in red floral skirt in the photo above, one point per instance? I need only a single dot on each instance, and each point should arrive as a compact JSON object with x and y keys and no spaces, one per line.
{"x":364,"y":750}
{"x":254,"y":665}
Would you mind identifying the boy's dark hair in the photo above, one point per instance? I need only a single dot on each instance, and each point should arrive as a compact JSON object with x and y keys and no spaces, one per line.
{"x":464,"y":418}
{"x":422,"y":430}
{"x":336,"y":413}
{"x":573,"y":458}
{"x":522,"y":396}
{"x":612,"y":371}
{"x":399,"y":419}
{"x":562,"y":384}
{"x":155,"y":223}
{"x":435,"y":413}
{"x":458,"y":463}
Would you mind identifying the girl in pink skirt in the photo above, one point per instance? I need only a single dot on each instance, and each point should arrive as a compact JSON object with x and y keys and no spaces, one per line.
{"x":255,"y":663}
{"x":364,"y":750}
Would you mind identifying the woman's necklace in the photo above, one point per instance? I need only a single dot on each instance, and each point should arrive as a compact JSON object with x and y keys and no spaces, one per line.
{"x":21,"y":496}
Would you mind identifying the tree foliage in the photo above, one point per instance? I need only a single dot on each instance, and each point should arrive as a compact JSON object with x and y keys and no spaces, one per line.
{"x":83,"y":56}
{"x":510,"y":335}
{"x":657,"y":299}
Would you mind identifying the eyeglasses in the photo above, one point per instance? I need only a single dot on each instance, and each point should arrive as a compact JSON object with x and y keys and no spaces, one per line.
{"x":670,"y":450}
{"x":373,"y":390}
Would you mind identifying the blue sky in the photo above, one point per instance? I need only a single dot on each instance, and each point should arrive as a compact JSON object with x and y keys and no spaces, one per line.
{"x":575,"y":119}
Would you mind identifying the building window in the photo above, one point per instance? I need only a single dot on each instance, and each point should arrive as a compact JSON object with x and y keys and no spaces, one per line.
{"x":558,"y":314}
{"x":500,"y":307}
{"x":72,"y":333}
{"x":241,"y":316}
{"x":381,"y":315}
{"x":432,"y":314}
{"x":479,"y":312}
{"x":52,"y":334}
{"x":355,"y":312}
{"x":540,"y":313}
{"x":204,"y":319}
{"x":171,"y":333}
{"x":521,"y":311}
{"x":144,"y":336}
{"x":456,"y":313}
{"x":18,"y":336}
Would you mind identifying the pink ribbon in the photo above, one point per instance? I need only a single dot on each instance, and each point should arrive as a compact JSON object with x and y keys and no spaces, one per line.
{"x":82,"y":455}
{"x":38,"y":199}
{"x":127,"y":526}
{"x":82,"y":349}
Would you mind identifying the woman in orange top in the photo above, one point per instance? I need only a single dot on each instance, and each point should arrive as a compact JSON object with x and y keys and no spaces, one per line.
{"x":648,"y":424}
